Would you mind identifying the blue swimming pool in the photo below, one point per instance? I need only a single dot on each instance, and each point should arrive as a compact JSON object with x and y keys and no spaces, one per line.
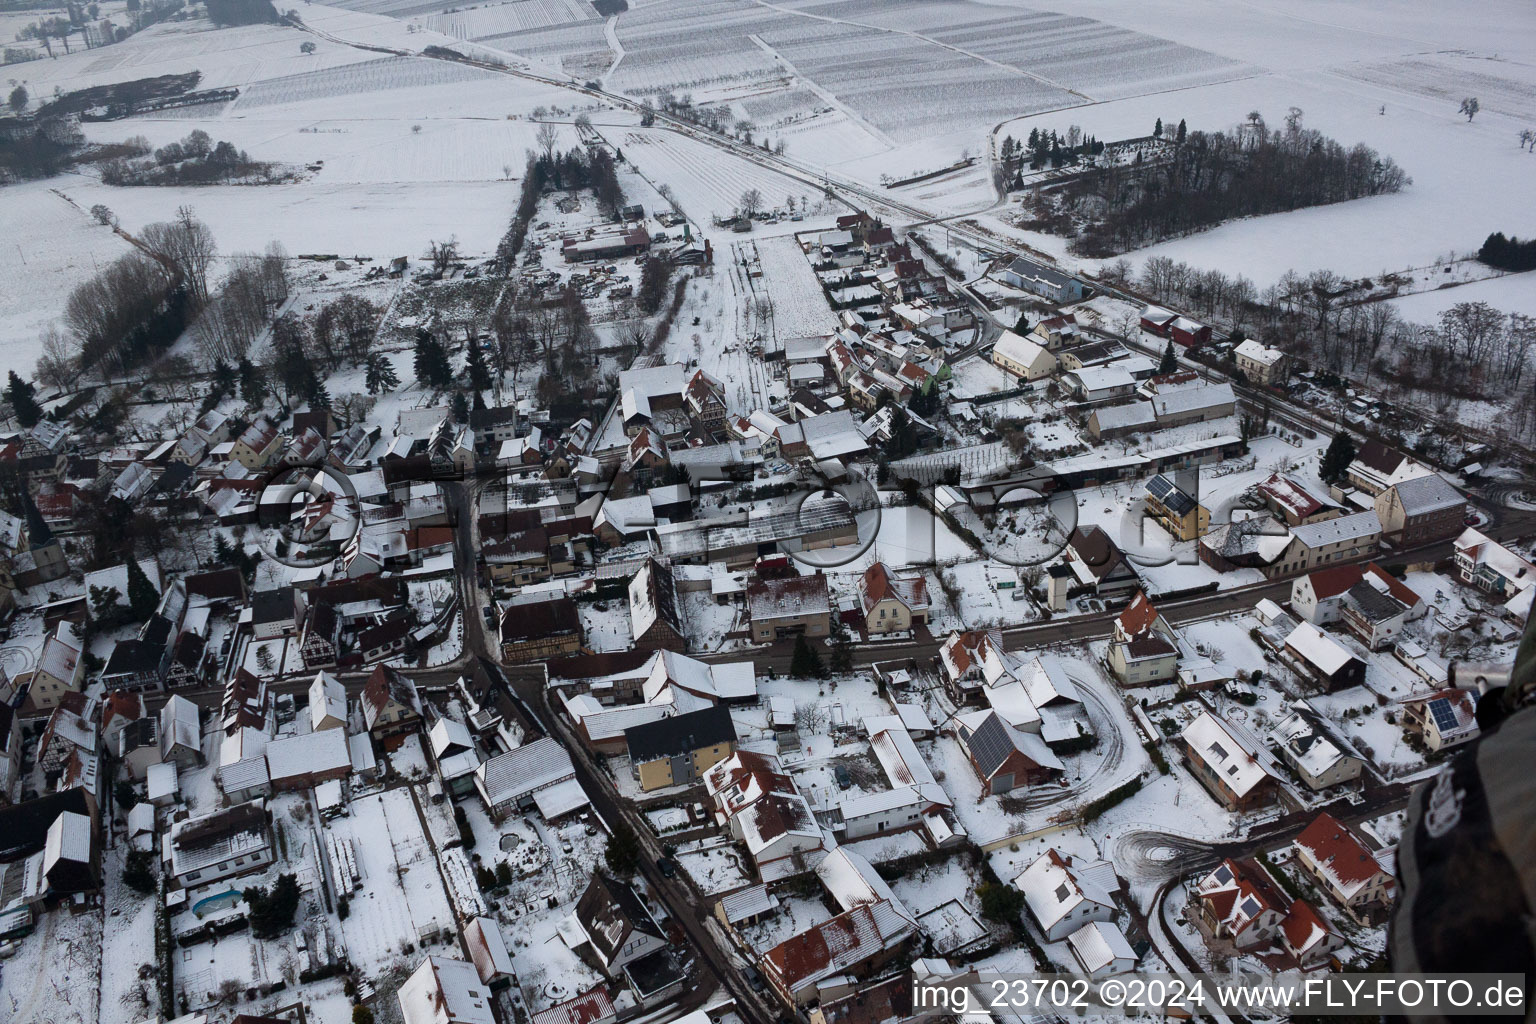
{"x":218,"y":901}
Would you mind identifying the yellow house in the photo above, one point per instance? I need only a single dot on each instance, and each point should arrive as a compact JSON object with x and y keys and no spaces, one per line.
{"x":255,"y":447}
{"x":677,"y":750}
{"x":1176,"y":508}
{"x":1023,"y":357}
{"x":892,"y":604}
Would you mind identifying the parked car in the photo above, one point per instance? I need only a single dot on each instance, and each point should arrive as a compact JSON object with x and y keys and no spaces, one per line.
{"x":667,"y":868}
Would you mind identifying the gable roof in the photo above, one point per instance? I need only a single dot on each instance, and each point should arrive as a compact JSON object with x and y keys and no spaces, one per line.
{"x":1139,"y":617}
{"x":387,"y":683}
{"x":610,"y":912}
{"x":1339,"y":854}
{"x":1333,"y":581}
{"x":1426,"y":494}
{"x":993,"y":740}
{"x":1227,"y":755}
{"x":678,"y":734}
{"x":878,"y":584}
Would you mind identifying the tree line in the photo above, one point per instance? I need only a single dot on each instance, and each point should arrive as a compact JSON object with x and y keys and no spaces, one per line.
{"x":548,"y":169}
{"x":1471,"y":351}
{"x":1508,"y":253}
{"x":195,"y":160}
{"x":1213,"y":177}
{"x":241,"y":12}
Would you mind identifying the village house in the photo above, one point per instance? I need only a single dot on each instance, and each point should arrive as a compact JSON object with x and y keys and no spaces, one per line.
{"x":1052,"y":285}
{"x":445,"y":991}
{"x":1313,"y":755}
{"x":1442,"y":719}
{"x":1227,"y":765}
{"x":1326,"y":661}
{"x":892,"y":604}
{"x":1420,"y":511}
{"x":826,"y":960}
{"x":1241,"y":904}
{"x":1176,"y":508}
{"x":795,"y":606}
{"x":257,"y":444}
{"x":1484,"y":563}
{"x":220,"y":844}
{"x":1261,"y":365}
{"x":1295,"y":502}
{"x":538,"y":774}
{"x":1377,"y":467}
{"x":1026,"y":358}
{"x":1333,"y":540}
{"x":678,"y":749}
{"x":1005,"y":758}
{"x":1143,"y":650}
{"x":306,"y":760}
{"x":1339,"y":861}
{"x":60,"y":668}
{"x":1063,"y":895}
{"x":390,"y":703}
{"x":654,"y":612}
{"x":618,"y":928}
{"x":539,"y":630}
{"x":327,"y":703}
{"x":1098,"y":565}
{"x":760,"y":806}
{"x":1377,"y":609}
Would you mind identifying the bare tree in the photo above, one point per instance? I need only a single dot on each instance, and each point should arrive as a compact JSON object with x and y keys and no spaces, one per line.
{"x":187,"y":244}
{"x":1470,"y":107}
{"x":751,"y":201}
{"x":547,"y":137}
{"x":443,"y":255}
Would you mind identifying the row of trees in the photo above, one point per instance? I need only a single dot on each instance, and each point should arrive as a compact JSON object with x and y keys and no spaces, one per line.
{"x":1218,"y":176}
{"x":1471,"y":351}
{"x":233,"y":319}
{"x":241,"y":12}
{"x":195,"y":160}
{"x":1508,"y":253}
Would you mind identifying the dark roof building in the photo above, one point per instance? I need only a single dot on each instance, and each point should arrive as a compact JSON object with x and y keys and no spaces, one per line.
{"x":680,"y":734}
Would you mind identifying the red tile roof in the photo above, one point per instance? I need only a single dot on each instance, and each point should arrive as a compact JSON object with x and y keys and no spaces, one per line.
{"x":1334,"y":581}
{"x":1336,"y":849}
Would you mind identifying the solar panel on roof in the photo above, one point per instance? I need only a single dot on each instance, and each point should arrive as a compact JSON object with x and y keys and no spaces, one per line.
{"x":1445,"y":715}
{"x":1223,"y":875}
{"x":990,"y":744}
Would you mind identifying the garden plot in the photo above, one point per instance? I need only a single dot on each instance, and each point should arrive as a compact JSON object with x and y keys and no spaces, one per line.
{"x":501,"y":19}
{"x":800,"y":308}
{"x":715,"y":866}
{"x":55,"y":977}
{"x":401,"y":895}
{"x":129,"y":942}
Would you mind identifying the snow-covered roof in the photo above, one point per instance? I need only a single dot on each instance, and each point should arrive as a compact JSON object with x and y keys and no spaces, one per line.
{"x":445,"y":991}
{"x":560,"y":799}
{"x":1229,"y":758}
{"x":327,"y":699}
{"x":525,"y":770}
{"x":161,"y":781}
{"x":488,"y":949}
{"x":1250,"y":349}
{"x":752,"y":901}
{"x":69,"y":839}
{"x":1483,"y":551}
{"x":1318,"y":648}
{"x":308,"y":754}
{"x":1423,"y":495}
{"x":1337,"y":531}
{"x":1020,"y":350}
{"x":1307,"y":745}
{"x":852,"y":881}
{"x":1179,"y":401}
{"x":1098,"y":944}
{"x":1053,"y":887}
